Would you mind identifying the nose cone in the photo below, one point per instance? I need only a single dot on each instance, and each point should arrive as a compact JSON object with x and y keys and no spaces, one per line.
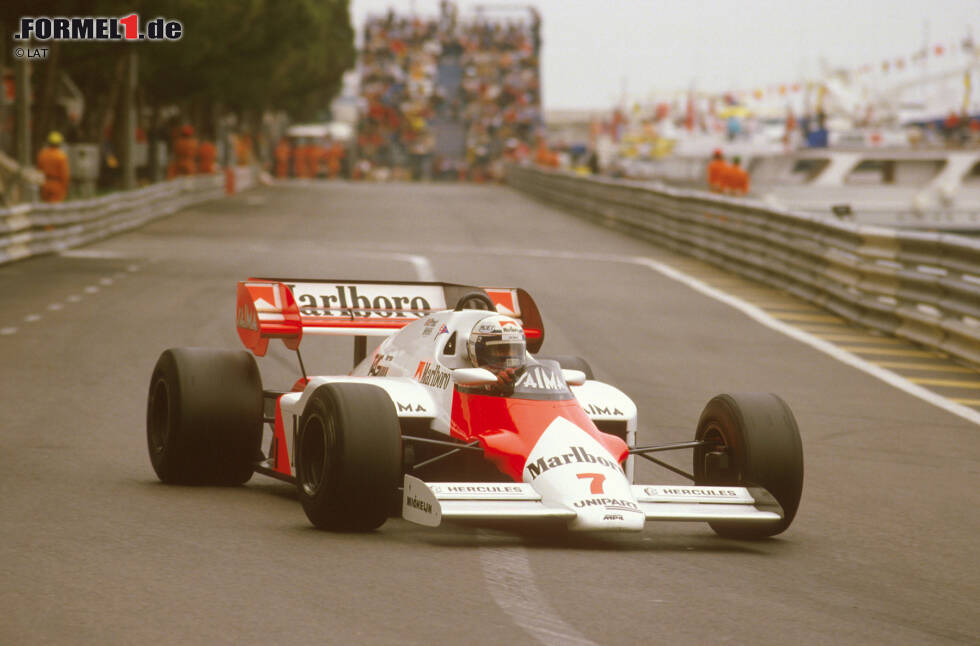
{"x":569,"y":467}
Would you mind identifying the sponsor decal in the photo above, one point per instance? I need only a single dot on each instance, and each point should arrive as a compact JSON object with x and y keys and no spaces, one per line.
{"x":505,"y":301}
{"x":506,"y":324}
{"x":246,"y":318}
{"x":410,"y":408}
{"x":480,"y":489}
{"x":653,"y":491}
{"x":443,"y":330}
{"x":541,"y":378}
{"x":595,"y":409}
{"x":432,"y":375}
{"x":577,"y":455}
{"x":611,"y":504}
{"x":379,"y":369}
{"x":429,"y":326}
{"x":486,"y":327}
{"x":613,"y":517}
{"x":597,"y":480}
{"x":364,"y":301}
{"x":418,"y":503}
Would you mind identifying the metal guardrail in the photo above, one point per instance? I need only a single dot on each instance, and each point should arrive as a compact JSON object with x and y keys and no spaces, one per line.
{"x":921,"y":286}
{"x":33,"y":229}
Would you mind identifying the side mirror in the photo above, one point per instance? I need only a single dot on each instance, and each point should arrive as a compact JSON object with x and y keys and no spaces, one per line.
{"x":573,"y":377}
{"x":473,"y":377}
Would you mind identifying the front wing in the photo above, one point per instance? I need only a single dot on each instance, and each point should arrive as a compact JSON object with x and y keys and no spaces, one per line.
{"x":429,"y":503}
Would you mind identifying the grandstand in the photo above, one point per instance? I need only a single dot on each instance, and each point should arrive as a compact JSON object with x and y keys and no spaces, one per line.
{"x":448,"y":97}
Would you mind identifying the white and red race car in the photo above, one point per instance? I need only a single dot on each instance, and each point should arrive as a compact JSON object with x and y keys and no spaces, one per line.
{"x":416,"y":420}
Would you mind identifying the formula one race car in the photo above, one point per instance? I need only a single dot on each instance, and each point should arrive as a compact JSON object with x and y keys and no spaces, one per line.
{"x":454,"y":416}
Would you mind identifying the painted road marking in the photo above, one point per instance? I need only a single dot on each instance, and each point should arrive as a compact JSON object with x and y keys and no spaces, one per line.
{"x":54,"y":307}
{"x":791,"y":316}
{"x":858,"y":338}
{"x":937,"y":367}
{"x":105,"y":281}
{"x":90,"y":253}
{"x":839,"y":353}
{"x":507,"y":572}
{"x":423,"y":268}
{"x":898,"y":352}
{"x":32,"y":318}
{"x":91,"y":289}
{"x":947,"y":383}
{"x":74,"y":298}
{"x":6,"y":331}
{"x":790,"y":307}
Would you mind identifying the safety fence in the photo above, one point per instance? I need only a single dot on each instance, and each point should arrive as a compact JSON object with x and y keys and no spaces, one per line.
{"x":39,"y":228}
{"x":921,"y":286}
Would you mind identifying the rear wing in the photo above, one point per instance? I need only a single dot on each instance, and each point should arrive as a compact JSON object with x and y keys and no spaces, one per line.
{"x":285,"y":308}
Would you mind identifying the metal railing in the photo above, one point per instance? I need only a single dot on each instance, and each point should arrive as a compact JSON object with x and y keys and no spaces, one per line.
{"x":921,"y":286}
{"x":33,"y":229}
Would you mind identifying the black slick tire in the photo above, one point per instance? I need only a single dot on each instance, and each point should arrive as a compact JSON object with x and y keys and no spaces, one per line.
{"x":348,"y":457}
{"x":757,"y":443}
{"x":204,"y":416}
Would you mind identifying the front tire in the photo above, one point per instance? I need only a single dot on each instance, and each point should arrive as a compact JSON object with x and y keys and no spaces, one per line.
{"x":756,"y":443}
{"x":348,"y":457}
{"x":204,"y":416}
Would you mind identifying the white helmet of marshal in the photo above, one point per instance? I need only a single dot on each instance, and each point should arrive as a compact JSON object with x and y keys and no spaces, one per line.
{"x":497,"y":342}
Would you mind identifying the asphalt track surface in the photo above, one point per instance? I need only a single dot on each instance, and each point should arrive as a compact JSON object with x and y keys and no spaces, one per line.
{"x":93,"y":550}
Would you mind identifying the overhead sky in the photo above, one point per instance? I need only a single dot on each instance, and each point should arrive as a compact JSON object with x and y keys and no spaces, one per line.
{"x":593,"y":49}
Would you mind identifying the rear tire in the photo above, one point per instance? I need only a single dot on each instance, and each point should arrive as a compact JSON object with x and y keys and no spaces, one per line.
{"x":758,"y":445}
{"x":570,"y":362}
{"x":204,"y":416}
{"x":348,"y":457}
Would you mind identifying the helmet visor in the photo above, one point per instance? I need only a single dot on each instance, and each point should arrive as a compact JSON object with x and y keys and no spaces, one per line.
{"x":502,"y":354}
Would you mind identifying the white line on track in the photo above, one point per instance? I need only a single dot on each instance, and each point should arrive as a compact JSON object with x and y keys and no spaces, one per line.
{"x":760,"y":316}
{"x":508,"y":575}
{"x":6,"y":331}
{"x":507,"y":570}
{"x":105,"y":281}
{"x":32,"y":318}
{"x":74,"y":298}
{"x":54,"y":307}
{"x":90,"y":253}
{"x":423,"y":268}
{"x":91,"y":289}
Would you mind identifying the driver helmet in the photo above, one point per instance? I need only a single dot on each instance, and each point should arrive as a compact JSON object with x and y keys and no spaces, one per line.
{"x":497,"y":342}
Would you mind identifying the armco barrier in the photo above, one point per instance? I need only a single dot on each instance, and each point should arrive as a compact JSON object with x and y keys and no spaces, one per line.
{"x":921,"y":286}
{"x":33,"y":229}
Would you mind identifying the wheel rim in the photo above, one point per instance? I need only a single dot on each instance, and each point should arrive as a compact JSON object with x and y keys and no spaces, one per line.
{"x":314,"y":467}
{"x":159,"y":419}
{"x":717,"y":463}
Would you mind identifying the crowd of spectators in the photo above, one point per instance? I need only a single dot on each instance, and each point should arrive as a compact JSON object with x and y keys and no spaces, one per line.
{"x":489,"y":96}
{"x":398,"y":74}
{"x":500,"y":93}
